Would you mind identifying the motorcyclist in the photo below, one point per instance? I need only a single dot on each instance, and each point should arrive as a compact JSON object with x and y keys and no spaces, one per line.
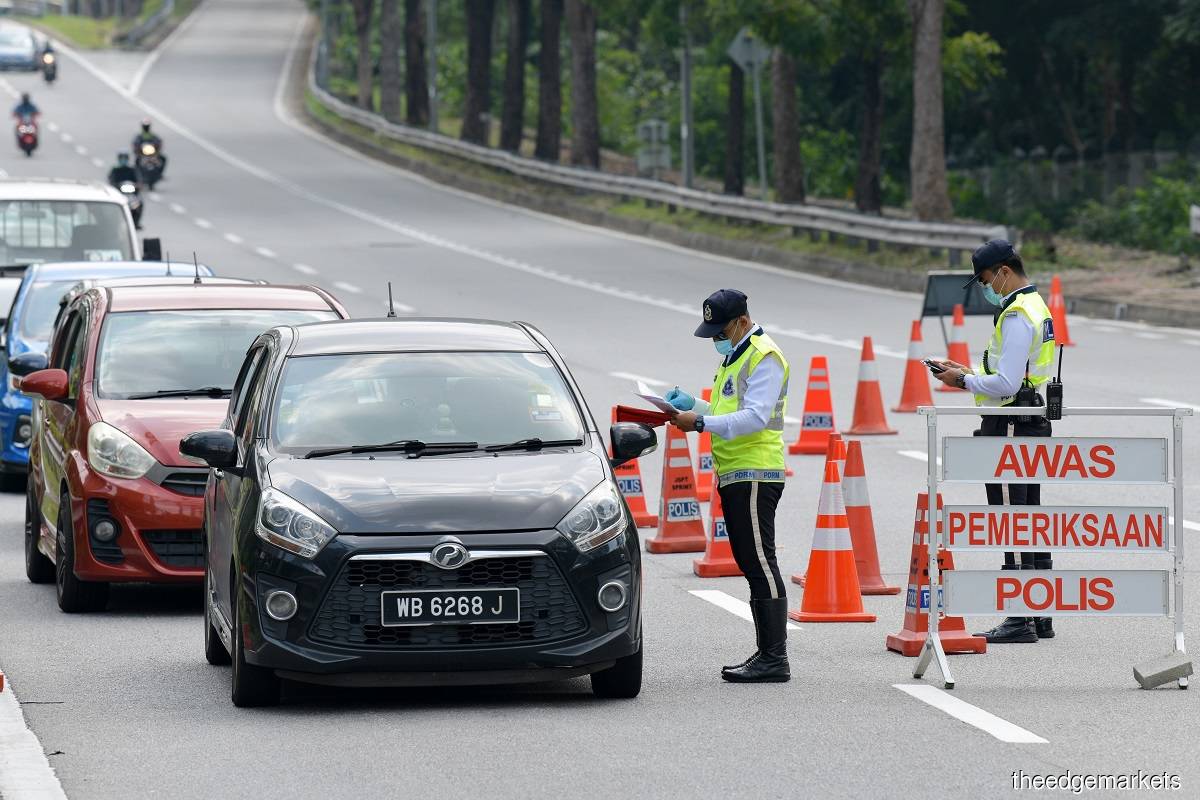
{"x":122,"y":172}
{"x":147,"y":136}
{"x":26,"y":109}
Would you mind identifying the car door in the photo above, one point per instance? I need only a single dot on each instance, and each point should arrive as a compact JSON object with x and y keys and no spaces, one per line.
{"x":58,"y":426}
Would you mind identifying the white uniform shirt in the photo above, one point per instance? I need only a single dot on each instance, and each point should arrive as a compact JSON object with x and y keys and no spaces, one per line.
{"x":762,"y":393}
{"x":1017,"y":332}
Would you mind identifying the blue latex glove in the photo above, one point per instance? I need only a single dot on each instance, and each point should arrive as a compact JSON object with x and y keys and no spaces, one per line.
{"x":680,"y":399}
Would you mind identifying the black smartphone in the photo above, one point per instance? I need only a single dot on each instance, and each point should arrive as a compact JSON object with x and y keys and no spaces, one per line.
{"x":934,"y":367}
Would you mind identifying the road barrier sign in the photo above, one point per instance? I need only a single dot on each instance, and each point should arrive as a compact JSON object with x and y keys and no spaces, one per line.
{"x":1027,"y":459}
{"x":1062,"y":528}
{"x":1058,"y":593}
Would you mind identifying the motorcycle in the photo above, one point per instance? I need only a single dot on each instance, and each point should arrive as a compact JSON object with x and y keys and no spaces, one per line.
{"x":27,"y":135}
{"x":132,"y":196}
{"x":49,"y":67}
{"x":149,"y":163}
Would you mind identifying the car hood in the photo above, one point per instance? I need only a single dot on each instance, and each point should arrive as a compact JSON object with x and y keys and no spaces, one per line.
{"x":440,"y":494}
{"x":158,"y":425}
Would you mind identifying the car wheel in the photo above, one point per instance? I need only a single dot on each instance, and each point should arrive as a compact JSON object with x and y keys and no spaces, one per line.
{"x":74,"y":596}
{"x":214,"y":650}
{"x":622,"y":680}
{"x":252,"y":685}
{"x":38,"y":568}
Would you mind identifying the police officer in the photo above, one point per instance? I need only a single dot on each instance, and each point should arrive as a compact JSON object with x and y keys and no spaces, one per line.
{"x":745,"y":419}
{"x":1018,"y":360}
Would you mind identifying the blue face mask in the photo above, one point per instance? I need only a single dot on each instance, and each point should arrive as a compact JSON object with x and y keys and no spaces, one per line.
{"x":724,"y":346}
{"x":991,"y":295}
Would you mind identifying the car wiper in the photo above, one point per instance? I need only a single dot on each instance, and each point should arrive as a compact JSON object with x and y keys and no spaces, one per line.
{"x":532,"y":444}
{"x":414,"y":447}
{"x":207,"y":391}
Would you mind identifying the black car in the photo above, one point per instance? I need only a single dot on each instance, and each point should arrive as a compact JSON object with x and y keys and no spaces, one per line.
{"x":416,"y":502}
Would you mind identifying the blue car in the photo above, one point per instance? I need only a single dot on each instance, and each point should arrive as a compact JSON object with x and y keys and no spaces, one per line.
{"x":28,"y":328}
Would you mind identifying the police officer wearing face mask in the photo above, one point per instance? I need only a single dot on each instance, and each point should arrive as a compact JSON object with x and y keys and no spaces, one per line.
{"x":1018,"y":360}
{"x":745,"y":419}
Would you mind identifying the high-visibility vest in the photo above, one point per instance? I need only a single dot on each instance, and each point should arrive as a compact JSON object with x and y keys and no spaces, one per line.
{"x":755,"y":456}
{"x":1039,"y":365}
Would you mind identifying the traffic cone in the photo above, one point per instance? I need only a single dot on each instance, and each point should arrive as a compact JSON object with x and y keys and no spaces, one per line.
{"x":817,"y":422}
{"x":704,"y":468}
{"x":832,"y":594}
{"x":869,"y":418}
{"x":916,"y":376}
{"x":718,"y":558}
{"x":681,"y":528}
{"x":951,"y":630}
{"x":835,"y":453}
{"x":1058,"y":312}
{"x":958,"y":351}
{"x":629,"y":481}
{"x":862,"y":524}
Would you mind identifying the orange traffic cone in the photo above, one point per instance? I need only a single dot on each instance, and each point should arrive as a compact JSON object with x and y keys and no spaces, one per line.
{"x":681,"y":528}
{"x":958,"y":351}
{"x":817,"y":422}
{"x":629,"y":481}
{"x":835,"y":453}
{"x":916,"y":376}
{"x":869,"y":418}
{"x":718,"y":558}
{"x":951,"y":630}
{"x":704,"y":469}
{"x":1058,"y":312}
{"x":832,"y":594}
{"x":862,"y":524}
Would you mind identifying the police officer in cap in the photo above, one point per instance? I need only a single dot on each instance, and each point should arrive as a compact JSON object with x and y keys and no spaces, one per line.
{"x":1018,"y":360}
{"x":745,"y":419}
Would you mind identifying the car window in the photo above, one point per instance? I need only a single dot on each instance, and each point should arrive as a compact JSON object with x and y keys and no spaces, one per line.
{"x":64,"y":341}
{"x":36,"y":231}
{"x":41,"y":307}
{"x":249,"y":369}
{"x":252,"y":401}
{"x":73,"y":363}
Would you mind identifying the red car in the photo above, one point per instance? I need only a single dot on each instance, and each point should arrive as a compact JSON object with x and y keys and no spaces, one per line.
{"x":132,"y":370}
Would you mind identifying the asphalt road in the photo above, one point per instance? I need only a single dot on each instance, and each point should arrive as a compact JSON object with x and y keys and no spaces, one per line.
{"x":125,"y":706}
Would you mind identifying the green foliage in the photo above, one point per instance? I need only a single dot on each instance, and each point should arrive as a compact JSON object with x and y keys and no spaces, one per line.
{"x":1154,"y":217}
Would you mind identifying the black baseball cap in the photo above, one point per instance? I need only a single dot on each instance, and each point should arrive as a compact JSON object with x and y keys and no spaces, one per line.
{"x":721,"y":306}
{"x":988,"y":255}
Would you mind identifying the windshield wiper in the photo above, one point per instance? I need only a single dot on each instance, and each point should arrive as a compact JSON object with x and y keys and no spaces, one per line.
{"x":414,"y":447}
{"x":532,"y":444}
{"x":207,"y":391}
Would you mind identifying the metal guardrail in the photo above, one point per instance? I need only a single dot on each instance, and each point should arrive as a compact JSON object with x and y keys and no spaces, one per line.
{"x":954,"y":238}
{"x":136,"y":34}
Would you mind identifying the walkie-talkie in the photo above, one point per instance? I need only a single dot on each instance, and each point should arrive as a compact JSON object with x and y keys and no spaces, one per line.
{"x":1054,"y":392}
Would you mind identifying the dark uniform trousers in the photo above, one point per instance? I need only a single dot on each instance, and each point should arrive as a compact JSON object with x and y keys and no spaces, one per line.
{"x":1025,"y":494}
{"x":749,"y":508}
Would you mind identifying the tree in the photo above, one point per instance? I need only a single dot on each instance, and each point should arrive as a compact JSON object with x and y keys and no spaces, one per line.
{"x":549,"y":126}
{"x":585,"y":114}
{"x":868,"y":187}
{"x":416,"y":79}
{"x":362,"y":32}
{"x":389,"y":59}
{"x":789,"y":167}
{"x":735,"y":132}
{"x":478,"y":103}
{"x":512,"y":114}
{"x":927,"y":159}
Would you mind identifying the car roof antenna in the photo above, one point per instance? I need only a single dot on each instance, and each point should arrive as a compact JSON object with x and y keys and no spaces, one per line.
{"x":168,"y":263}
{"x":196,"y":264}
{"x":391,"y":305}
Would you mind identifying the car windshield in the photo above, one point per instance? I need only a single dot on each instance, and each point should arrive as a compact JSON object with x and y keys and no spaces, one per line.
{"x":357,"y":399}
{"x":148,"y":352}
{"x":34,"y":231}
{"x":14,"y":37}
{"x":41,"y":307}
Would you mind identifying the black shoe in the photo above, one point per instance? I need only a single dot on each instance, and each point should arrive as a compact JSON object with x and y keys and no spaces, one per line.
{"x":757,"y":611}
{"x":770,"y":663}
{"x":1044,"y":627}
{"x":1014,"y":630}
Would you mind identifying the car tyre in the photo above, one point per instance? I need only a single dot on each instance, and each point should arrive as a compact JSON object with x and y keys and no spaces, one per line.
{"x":253,"y":686}
{"x":622,"y":680}
{"x":74,"y":595}
{"x":38,"y":568}
{"x":214,"y":650}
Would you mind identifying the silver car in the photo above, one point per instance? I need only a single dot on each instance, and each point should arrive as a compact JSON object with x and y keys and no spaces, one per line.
{"x":18,"y":48}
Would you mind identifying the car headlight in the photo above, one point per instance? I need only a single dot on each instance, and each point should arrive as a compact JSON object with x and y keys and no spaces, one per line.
{"x":113,"y":453}
{"x":287,"y":523}
{"x":597,"y":518}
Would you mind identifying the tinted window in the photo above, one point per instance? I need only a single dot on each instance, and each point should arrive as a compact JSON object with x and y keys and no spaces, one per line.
{"x":338,"y":400}
{"x":41,"y":307}
{"x":142,"y":352}
{"x":35,"y":231}
{"x":64,"y":343}
{"x":246,"y":377}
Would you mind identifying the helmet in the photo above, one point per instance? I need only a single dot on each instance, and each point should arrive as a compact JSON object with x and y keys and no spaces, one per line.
{"x":146,"y":124}
{"x":25,"y":98}
{"x":123,"y":158}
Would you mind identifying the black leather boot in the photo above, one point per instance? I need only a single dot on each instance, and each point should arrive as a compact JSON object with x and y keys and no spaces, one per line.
{"x":770,"y":663}
{"x":758,"y":637}
{"x":1044,"y":625}
{"x":1014,"y":630}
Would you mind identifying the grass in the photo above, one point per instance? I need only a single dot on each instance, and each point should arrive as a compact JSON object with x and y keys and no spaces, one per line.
{"x":87,"y":33}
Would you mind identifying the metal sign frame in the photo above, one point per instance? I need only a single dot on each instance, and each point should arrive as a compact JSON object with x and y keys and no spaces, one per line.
{"x":939,"y":532}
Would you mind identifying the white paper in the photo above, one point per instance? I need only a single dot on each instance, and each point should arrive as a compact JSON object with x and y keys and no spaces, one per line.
{"x":647,"y":394}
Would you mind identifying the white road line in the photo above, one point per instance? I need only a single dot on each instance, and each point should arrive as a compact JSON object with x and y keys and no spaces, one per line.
{"x":739,"y":608}
{"x":963,"y":711}
{"x":1144,"y":335}
{"x":3,"y":173}
{"x":919,"y":455}
{"x":304,"y":269}
{"x":1106,"y":329}
{"x":53,"y":126}
{"x":631,"y":376}
{"x":9,"y":88}
{"x":233,"y":238}
{"x":98,"y":163}
{"x":25,"y":774}
{"x":66,"y":137}
{"x":155,"y":196}
{"x":135,"y":84}
{"x":1187,"y":523}
{"x":1165,"y":403}
{"x":347,"y":287}
{"x":203,"y":223}
{"x":401,"y":307}
{"x":178,"y":209}
{"x":265,"y":252}
{"x":83,"y":151}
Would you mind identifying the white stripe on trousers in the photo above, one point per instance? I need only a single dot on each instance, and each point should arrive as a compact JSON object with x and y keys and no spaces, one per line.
{"x":758,"y":542}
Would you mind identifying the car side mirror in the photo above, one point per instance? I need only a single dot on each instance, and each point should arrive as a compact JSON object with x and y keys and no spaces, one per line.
{"x":151,"y":249}
{"x":48,"y":383}
{"x":217,"y":448}
{"x":631,"y":440}
{"x":27,"y":363}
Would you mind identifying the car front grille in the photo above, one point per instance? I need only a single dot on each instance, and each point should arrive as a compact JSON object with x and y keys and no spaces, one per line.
{"x":180,"y":549}
{"x":189,"y":483}
{"x":350,"y":613}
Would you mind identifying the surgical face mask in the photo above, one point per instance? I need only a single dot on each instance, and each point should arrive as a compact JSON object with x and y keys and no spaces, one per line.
{"x":991,"y":295}
{"x":725,"y":346}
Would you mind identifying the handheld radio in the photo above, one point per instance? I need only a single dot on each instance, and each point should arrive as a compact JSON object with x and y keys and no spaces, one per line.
{"x":1054,"y":392}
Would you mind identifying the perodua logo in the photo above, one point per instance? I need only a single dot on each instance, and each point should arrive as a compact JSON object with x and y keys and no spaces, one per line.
{"x":449,"y":555}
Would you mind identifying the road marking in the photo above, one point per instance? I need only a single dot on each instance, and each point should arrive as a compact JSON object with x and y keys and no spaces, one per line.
{"x":156,"y":197}
{"x":53,"y":126}
{"x":24,"y":770}
{"x":265,"y":252}
{"x":1144,"y":335}
{"x":631,"y":376}
{"x":919,"y":455}
{"x":83,"y":151}
{"x":135,"y":85}
{"x":203,"y":223}
{"x":401,"y":307}
{"x":304,"y":268}
{"x":178,"y":209}
{"x":98,"y":163}
{"x":963,"y":711}
{"x":1160,"y":401}
{"x":1106,"y":329}
{"x":8,"y":87}
{"x":739,"y":608}
{"x":233,"y":238}
{"x":1187,"y":523}
{"x":347,"y":287}
{"x":66,"y":137}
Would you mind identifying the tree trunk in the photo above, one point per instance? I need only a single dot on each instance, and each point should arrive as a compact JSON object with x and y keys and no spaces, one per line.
{"x":512,"y":114}
{"x":389,"y":59}
{"x":789,"y":167}
{"x":585,"y":116}
{"x":362,"y":30}
{"x":735,"y":132}
{"x":549,"y":128}
{"x":478,"y":104}
{"x":927,"y":159}
{"x":416,"y":78}
{"x":868,"y":194}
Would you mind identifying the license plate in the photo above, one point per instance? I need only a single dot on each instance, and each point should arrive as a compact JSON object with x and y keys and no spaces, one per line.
{"x":451,"y":607}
